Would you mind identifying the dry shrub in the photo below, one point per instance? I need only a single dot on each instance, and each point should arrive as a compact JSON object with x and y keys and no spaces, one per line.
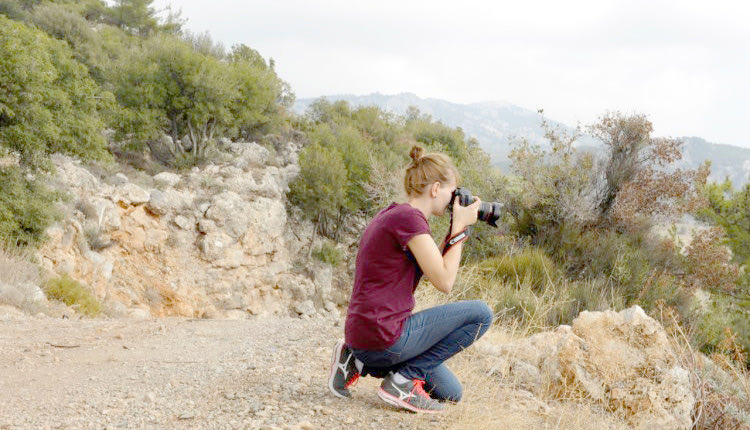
{"x":16,"y":266}
{"x":709,"y":262}
{"x":74,"y":294}
{"x":721,"y":384}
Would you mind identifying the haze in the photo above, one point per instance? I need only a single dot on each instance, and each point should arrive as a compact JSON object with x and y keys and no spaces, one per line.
{"x":685,"y":64}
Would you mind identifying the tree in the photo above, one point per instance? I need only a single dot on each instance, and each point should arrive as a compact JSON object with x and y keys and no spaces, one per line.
{"x":168,"y":87}
{"x":48,"y":103}
{"x":637,"y":181}
{"x":627,"y":189}
{"x":134,"y":16}
{"x":322,"y":192}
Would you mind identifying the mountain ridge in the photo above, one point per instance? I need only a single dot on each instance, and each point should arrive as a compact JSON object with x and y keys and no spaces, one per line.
{"x":497,"y":124}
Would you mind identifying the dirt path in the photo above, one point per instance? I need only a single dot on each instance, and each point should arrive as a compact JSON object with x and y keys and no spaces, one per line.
{"x":178,"y":373}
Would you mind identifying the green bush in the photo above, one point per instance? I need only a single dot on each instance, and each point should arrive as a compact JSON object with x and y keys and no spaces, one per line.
{"x":48,"y":103}
{"x":74,"y":294}
{"x":529,"y":266}
{"x":26,"y":208}
{"x":328,"y":253}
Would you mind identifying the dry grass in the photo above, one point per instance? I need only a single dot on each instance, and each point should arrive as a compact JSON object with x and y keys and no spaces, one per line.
{"x":494,"y":401}
{"x":16,"y":266}
{"x":721,"y":385}
{"x":19,"y":278}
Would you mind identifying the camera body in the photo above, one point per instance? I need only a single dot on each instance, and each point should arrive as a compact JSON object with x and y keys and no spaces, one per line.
{"x":488,"y":212}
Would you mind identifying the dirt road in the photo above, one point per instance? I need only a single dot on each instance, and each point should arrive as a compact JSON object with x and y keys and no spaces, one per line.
{"x":178,"y":373}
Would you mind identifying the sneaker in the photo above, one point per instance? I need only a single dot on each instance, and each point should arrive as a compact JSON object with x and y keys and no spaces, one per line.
{"x":409,"y":395}
{"x":343,"y":370}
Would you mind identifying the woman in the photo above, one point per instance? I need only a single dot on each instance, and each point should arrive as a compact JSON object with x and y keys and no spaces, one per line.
{"x":383,"y":337}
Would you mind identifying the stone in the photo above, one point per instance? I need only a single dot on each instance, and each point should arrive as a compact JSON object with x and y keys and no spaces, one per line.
{"x":167,"y":179}
{"x":305,"y":308}
{"x":133,"y":194}
{"x":119,"y":179}
{"x":621,"y":360}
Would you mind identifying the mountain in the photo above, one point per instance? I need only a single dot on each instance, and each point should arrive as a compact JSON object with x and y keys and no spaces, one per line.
{"x":496,"y":124}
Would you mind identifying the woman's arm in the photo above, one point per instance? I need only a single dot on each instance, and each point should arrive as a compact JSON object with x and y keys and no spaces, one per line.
{"x":441,"y":269}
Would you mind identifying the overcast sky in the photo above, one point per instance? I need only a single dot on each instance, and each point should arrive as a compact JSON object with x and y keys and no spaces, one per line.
{"x":686,"y":64}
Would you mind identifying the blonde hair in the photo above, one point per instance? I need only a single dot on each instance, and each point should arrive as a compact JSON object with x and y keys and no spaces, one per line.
{"x":425,"y":169}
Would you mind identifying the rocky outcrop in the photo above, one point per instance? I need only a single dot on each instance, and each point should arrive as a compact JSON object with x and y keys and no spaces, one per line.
{"x":621,"y":360}
{"x":216,"y":241}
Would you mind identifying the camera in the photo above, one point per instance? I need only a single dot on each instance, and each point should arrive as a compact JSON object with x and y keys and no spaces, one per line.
{"x":488,"y":212}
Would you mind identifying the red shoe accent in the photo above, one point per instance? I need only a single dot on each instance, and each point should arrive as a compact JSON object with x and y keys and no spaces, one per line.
{"x":352,"y":381}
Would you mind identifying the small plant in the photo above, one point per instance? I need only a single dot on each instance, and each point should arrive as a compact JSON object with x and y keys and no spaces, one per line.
{"x":328,"y":253}
{"x":529,"y":265}
{"x":94,"y":237}
{"x":74,"y":294}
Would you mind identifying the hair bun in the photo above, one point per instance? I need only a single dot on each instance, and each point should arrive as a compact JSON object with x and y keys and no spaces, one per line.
{"x":416,"y":152}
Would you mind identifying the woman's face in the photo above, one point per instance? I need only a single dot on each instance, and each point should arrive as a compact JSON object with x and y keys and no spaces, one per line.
{"x":444,"y":195}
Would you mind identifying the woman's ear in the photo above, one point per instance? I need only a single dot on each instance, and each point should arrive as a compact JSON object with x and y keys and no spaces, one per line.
{"x":434,"y":189}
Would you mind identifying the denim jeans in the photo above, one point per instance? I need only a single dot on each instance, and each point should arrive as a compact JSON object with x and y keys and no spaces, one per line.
{"x":428,"y":339}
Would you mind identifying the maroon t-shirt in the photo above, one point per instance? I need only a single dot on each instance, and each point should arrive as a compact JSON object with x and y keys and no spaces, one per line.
{"x":385,"y":278}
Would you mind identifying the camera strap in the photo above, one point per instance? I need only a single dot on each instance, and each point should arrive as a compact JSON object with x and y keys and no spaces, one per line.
{"x":457,"y":238}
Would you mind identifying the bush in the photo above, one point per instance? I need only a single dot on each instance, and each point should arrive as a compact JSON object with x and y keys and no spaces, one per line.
{"x":328,"y":253}
{"x":529,"y":266}
{"x":74,"y":294}
{"x":26,"y":208}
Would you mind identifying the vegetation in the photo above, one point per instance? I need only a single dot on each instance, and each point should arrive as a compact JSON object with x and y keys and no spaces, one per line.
{"x":577,"y":233}
{"x":74,"y":294}
{"x":73,"y":69}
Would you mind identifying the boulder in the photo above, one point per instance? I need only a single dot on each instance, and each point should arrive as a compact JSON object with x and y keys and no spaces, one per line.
{"x":622,"y":360}
{"x":167,"y":179}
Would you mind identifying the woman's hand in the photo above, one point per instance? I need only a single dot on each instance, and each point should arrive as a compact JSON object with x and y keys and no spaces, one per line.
{"x":464,"y":216}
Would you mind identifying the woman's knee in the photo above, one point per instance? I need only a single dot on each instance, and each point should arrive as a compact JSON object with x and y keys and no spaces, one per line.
{"x":482,"y":312}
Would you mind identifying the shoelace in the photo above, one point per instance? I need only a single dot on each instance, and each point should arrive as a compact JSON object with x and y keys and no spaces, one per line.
{"x":419,"y":388}
{"x":352,"y":381}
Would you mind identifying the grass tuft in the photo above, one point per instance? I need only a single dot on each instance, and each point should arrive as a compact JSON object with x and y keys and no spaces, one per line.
{"x":74,"y":294}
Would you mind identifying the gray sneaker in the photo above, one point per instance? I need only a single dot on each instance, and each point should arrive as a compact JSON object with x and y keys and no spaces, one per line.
{"x":410,"y":396}
{"x":344,"y":372}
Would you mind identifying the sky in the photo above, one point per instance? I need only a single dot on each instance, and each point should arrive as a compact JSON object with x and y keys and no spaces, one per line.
{"x":685,"y":64}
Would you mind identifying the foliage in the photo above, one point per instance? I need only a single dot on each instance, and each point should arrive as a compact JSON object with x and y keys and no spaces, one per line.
{"x":26,"y":208}
{"x":631,"y":187}
{"x":328,"y":253}
{"x":61,"y":23}
{"x":134,"y":16}
{"x":48,"y":103}
{"x":74,"y":294}
{"x":168,"y":87}
{"x":730,"y":210}
{"x":373,"y":146}
{"x":530,"y":266}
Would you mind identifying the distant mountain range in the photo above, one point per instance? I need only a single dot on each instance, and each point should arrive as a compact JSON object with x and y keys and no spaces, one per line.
{"x":495,"y":125}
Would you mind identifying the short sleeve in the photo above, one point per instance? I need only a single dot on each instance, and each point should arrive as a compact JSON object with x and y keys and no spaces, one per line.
{"x":408,"y":224}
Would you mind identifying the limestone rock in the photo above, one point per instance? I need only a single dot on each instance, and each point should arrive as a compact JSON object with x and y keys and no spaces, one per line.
{"x":132,"y":194}
{"x":622,"y":360}
{"x":167,"y":179}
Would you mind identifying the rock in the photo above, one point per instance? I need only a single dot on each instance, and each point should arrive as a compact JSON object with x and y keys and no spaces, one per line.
{"x":184,"y":222}
{"x":621,"y":360}
{"x":119,"y":179}
{"x":306,"y":308}
{"x":139,"y":313}
{"x":132,"y":194}
{"x":167,"y":179}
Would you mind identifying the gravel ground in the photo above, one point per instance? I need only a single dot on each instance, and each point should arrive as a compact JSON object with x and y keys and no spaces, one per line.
{"x":180,"y":373}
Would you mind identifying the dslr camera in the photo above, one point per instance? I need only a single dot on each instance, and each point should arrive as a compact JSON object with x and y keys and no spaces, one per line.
{"x":488,"y":212}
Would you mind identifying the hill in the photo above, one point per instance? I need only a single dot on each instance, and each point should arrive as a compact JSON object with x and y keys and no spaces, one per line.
{"x":496,"y":124}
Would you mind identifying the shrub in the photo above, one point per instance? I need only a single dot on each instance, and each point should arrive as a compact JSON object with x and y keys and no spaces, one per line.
{"x":25,"y":208}
{"x":328,"y":253}
{"x":74,"y":294}
{"x":530,"y":266}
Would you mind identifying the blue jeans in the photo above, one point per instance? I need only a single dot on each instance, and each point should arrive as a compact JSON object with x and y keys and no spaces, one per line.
{"x":429,"y":338}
